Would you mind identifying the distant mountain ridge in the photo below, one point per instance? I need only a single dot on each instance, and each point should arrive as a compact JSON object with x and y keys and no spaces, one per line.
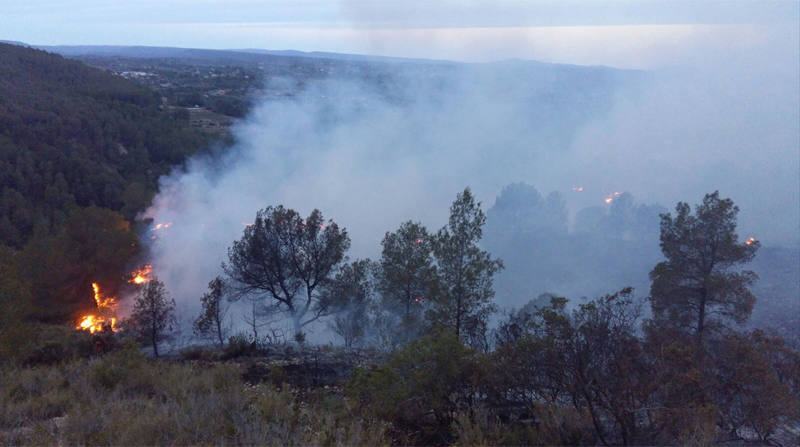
{"x":201,"y":53}
{"x":246,"y":54}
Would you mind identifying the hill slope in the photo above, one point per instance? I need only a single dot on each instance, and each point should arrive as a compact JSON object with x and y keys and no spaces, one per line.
{"x":75,"y":136}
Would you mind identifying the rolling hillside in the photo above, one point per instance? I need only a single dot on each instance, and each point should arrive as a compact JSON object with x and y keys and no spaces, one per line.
{"x":75,"y":136}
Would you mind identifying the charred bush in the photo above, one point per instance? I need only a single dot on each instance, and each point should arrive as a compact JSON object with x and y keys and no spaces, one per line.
{"x":239,"y":345}
{"x":199,"y":353}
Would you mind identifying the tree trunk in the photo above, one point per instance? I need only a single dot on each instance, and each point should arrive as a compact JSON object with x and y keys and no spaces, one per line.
{"x":702,"y":317}
{"x":408,"y":303}
{"x":598,"y":428}
{"x":254,"y":321}
{"x":219,"y":333}
{"x":154,"y":336}
{"x":458,"y":317}
{"x":298,"y":328}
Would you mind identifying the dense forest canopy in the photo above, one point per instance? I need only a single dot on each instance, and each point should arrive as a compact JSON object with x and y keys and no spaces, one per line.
{"x":74,"y":136}
{"x":81,"y":151}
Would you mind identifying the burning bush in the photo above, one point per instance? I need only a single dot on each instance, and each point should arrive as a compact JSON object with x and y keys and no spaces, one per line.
{"x":102,"y":320}
{"x":93,"y":246}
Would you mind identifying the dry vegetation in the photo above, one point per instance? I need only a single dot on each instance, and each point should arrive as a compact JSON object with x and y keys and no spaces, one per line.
{"x":125,"y":399}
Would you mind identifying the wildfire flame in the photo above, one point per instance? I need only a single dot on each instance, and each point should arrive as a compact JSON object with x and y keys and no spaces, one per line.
{"x":142,"y":275}
{"x":98,"y":323}
{"x":94,"y":324}
{"x":750,"y":241}
{"x":102,"y":303}
{"x":161,"y":226}
{"x":612,"y":196}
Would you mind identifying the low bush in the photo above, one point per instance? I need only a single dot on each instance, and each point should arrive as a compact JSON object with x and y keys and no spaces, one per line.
{"x":239,"y":345}
{"x":420,"y":389}
{"x":199,"y":353}
{"x":53,"y":344}
{"x":123,"y":398}
{"x":32,"y":395}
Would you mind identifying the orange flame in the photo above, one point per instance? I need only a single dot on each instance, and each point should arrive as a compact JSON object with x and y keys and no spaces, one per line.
{"x":142,"y":275}
{"x":98,"y":323}
{"x":612,"y":196}
{"x":94,"y":324}
{"x":750,"y":241}
{"x":102,"y":303}
{"x":161,"y":226}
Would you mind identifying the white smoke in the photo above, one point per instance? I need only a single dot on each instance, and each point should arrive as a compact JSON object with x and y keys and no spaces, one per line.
{"x":371,"y":155}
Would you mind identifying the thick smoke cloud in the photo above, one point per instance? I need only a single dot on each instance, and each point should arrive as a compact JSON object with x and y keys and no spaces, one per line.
{"x":372,"y":154}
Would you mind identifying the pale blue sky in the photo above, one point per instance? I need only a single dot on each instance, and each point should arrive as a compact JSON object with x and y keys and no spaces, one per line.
{"x":645,"y":33}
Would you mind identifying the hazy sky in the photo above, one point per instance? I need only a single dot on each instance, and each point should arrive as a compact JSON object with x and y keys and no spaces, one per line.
{"x":642,"y":34}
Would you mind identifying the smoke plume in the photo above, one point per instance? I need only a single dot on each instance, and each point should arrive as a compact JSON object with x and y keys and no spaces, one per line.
{"x":371,"y":152}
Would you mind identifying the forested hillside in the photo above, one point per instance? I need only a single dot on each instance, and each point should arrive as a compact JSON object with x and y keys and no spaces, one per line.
{"x":81,"y":151}
{"x":633,"y":325}
{"x":75,"y":136}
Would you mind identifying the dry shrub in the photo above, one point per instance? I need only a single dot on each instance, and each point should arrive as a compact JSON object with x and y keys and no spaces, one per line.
{"x":696,"y":426}
{"x":552,"y":425}
{"x":52,"y":344}
{"x":125,"y":399}
{"x":199,"y":353}
{"x":31,"y":395}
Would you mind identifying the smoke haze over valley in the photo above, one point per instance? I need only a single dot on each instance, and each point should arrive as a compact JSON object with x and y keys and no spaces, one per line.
{"x":374,"y":150}
{"x":365,"y":222}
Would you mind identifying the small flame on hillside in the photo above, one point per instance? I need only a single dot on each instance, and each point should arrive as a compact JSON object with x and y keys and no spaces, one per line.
{"x":161,"y":226}
{"x":94,"y":324}
{"x":98,"y":323}
{"x":142,"y":275}
{"x":750,"y":241}
{"x":613,"y":196}
{"x":102,"y":303}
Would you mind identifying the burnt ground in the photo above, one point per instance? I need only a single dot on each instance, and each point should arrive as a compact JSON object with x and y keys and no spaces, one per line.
{"x":309,"y":368}
{"x":302,"y":368}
